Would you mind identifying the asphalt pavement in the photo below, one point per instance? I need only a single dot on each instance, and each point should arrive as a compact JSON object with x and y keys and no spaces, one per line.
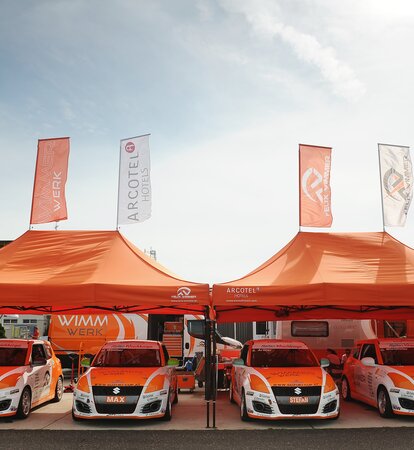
{"x":337,"y":439}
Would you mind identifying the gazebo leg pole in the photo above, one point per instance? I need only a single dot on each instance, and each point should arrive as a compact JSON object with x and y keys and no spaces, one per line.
{"x":214,"y":378}
{"x":207,"y":365}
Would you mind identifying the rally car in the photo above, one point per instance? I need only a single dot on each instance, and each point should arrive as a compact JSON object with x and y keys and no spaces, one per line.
{"x":30,"y":374}
{"x":282,"y":379}
{"x":127,"y":379}
{"x":380,"y":372}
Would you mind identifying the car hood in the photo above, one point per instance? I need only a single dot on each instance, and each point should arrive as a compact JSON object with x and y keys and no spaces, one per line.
{"x":9,"y":375}
{"x":292,"y":376}
{"x":121,"y":376}
{"x":407,"y":370}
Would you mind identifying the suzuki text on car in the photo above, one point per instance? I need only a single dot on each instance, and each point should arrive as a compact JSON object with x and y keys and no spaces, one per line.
{"x":278,"y":379}
{"x":30,"y":374}
{"x":380,"y":372}
{"x":127,"y":379}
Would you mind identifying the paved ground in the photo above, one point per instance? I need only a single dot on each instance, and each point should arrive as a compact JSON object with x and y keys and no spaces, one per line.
{"x":367,"y":439}
{"x":190,"y":414}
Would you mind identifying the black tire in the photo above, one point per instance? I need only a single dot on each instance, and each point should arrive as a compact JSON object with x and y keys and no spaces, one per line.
{"x":167,"y":416}
{"x":200,"y":384}
{"x":384,"y":403}
{"x":231,"y":398}
{"x":25,"y":404}
{"x":76,"y":419}
{"x":175,"y":401}
{"x":58,"y":390}
{"x":243,"y":409}
{"x":345,"y":389}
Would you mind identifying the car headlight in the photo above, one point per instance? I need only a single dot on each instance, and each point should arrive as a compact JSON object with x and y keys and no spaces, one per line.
{"x":83,"y":385}
{"x":329,"y":384}
{"x":156,"y":384}
{"x":257,"y":384}
{"x":401,"y":382}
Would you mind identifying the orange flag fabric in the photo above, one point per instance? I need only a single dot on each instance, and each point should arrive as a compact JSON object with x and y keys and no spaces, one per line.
{"x":315,"y":190}
{"x":49,"y":202}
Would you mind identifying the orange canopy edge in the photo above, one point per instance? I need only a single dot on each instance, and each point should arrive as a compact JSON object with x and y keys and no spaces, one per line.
{"x":324,"y":275}
{"x":45,"y":272}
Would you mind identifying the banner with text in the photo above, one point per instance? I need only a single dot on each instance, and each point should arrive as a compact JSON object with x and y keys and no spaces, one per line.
{"x":315,"y":190}
{"x":134,"y":201}
{"x":49,"y":202}
{"x":396,"y":183}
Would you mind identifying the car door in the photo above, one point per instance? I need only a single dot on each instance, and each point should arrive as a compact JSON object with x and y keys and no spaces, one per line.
{"x":365,"y":374}
{"x":240,"y":372}
{"x":40,"y":374}
{"x":349,"y":369}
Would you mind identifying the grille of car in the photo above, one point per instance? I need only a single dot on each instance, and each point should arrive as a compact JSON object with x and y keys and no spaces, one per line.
{"x":120,"y":390}
{"x":131,"y":394}
{"x":284,"y":393}
{"x":263,"y":408}
{"x":329,"y":407}
{"x":289,"y":391}
{"x":151,"y":407}
{"x":406,"y":403}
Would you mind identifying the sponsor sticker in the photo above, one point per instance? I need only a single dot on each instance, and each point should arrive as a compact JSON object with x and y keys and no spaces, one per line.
{"x":14,"y":344}
{"x":279,"y":345}
{"x":115,"y":399}
{"x":300,"y":400}
{"x":397,"y":345}
{"x":131,"y":345}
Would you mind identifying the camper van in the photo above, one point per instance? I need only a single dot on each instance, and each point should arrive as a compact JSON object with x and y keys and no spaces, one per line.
{"x":71,"y":334}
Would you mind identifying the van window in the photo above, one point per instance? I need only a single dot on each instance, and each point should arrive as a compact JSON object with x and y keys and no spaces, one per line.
{"x":261,"y":327}
{"x":314,"y":328}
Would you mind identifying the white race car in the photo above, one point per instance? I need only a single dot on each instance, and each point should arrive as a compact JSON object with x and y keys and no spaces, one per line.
{"x":282,"y":379}
{"x":380,"y":372}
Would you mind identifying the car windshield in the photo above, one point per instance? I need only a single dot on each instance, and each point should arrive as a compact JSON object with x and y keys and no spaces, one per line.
{"x":129,"y":357}
{"x":12,"y":356}
{"x":400,"y":357}
{"x":292,"y":357}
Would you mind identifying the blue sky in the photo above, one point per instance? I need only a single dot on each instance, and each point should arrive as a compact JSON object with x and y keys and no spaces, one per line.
{"x":227,"y":89}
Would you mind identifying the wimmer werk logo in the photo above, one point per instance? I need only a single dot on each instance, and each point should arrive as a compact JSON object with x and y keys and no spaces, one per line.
{"x":130,"y":147}
{"x":184,"y":295}
{"x":395,"y":185}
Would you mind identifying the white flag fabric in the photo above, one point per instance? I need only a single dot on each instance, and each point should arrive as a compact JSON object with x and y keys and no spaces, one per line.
{"x":134,"y":198}
{"x":396,"y":183}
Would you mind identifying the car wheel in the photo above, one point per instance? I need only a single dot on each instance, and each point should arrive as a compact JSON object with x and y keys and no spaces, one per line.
{"x":25,"y":404}
{"x":200,"y":384}
{"x":58,"y":390}
{"x":384,"y":403}
{"x":167,"y":416}
{"x":243,"y":408}
{"x":345,"y":390}
{"x":231,"y":393}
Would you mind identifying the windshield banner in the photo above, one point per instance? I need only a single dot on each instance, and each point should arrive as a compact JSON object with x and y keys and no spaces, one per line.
{"x":49,"y":202}
{"x":279,"y":345}
{"x":131,"y":345}
{"x":397,"y":345}
{"x":315,"y":189}
{"x":396,"y":183}
{"x":134,"y":196}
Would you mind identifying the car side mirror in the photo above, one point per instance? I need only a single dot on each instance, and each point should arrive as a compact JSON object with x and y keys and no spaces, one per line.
{"x":86,"y":362}
{"x":39,"y":362}
{"x":238,"y":362}
{"x":368,"y":361}
{"x":325,"y":362}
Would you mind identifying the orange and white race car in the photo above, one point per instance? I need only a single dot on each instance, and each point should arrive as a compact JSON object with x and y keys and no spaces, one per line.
{"x":127,"y":379}
{"x":380,"y":372}
{"x":30,"y":374}
{"x":282,"y":379}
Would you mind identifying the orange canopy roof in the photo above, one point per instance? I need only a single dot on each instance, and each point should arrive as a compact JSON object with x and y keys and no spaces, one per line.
{"x":325,"y":275}
{"x":88,"y":271}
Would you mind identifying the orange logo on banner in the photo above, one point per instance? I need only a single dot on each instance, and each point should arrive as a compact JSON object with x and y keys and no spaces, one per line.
{"x":315,"y":190}
{"x":49,"y":203}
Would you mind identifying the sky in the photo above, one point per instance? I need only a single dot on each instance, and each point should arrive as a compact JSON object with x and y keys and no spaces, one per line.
{"x":227,"y":89}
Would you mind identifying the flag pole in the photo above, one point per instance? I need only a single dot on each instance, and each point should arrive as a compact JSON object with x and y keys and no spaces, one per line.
{"x":34,"y":184}
{"x":119,"y":186}
{"x":382,"y":195}
{"x":300,"y":203}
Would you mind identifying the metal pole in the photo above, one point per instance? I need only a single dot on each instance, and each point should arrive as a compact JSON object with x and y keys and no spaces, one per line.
{"x":207,"y":368}
{"x":300,"y":203}
{"x":214,"y":367}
